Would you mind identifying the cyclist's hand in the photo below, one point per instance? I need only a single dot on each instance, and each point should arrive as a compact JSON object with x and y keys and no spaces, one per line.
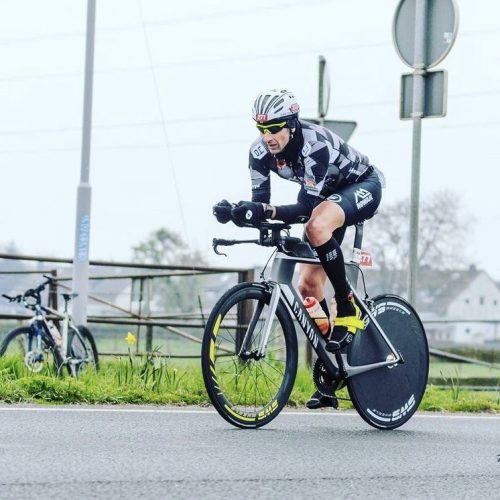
{"x":222,"y":211}
{"x":247,"y":212}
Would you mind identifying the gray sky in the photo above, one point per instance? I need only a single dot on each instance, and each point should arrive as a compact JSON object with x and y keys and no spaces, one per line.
{"x":209,"y":60}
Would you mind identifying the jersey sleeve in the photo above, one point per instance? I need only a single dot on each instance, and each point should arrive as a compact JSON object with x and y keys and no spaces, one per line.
{"x":260,"y":173}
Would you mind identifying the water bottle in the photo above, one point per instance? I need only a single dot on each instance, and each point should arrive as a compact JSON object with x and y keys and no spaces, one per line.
{"x":317,"y":314}
{"x":54,"y":332}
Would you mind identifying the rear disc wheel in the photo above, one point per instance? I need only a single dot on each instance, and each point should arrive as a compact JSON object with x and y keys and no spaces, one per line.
{"x":387,"y":397}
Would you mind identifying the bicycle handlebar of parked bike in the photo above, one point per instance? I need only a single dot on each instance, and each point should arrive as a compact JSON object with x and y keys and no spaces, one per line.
{"x":31,"y":292}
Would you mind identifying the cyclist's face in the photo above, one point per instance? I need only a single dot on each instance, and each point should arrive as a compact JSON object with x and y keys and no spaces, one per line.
{"x":276,"y":142}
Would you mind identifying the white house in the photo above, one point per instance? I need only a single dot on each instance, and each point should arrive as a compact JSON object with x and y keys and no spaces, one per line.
{"x":465,"y":295}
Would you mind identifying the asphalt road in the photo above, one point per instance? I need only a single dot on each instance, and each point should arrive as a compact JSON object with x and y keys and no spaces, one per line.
{"x":103,"y":452}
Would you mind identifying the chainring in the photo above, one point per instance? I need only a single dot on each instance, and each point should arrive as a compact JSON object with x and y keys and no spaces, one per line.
{"x":324,"y":382}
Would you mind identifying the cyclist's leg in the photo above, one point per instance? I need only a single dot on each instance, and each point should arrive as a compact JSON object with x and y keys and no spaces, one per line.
{"x":351,"y":204}
{"x":312,"y":281}
{"x":312,"y":278}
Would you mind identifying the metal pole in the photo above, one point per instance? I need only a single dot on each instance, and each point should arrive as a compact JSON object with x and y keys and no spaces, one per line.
{"x":417,"y":114}
{"x":82,"y":228}
{"x":321,"y":111}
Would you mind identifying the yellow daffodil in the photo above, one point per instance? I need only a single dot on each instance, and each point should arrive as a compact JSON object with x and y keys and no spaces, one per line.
{"x":130,"y":338}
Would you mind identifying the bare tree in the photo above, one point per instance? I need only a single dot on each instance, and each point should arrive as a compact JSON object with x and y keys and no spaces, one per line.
{"x":443,"y":232}
{"x":163,"y":246}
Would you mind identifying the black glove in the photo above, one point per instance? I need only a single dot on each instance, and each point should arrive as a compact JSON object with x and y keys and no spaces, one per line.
{"x":222,"y":211}
{"x":247,"y":212}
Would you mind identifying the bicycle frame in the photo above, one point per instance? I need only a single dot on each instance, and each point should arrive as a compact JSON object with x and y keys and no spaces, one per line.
{"x":280,"y":281}
{"x":65,"y":324}
{"x":64,"y":319}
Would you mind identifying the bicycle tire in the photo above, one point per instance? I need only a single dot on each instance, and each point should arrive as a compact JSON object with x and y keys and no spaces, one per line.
{"x":82,"y":347}
{"x":7,"y":348}
{"x":387,"y":397}
{"x":248,"y":393}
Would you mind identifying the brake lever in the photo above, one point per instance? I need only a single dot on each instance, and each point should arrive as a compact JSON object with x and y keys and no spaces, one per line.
{"x":214,"y":246}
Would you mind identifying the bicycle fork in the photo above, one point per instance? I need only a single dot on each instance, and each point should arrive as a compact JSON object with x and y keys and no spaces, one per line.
{"x":273,"y":305}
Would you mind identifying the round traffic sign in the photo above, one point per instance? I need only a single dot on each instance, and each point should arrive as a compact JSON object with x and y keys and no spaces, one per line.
{"x":441,"y":27}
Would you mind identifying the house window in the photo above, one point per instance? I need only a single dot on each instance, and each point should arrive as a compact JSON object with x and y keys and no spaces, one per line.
{"x":481,"y":300}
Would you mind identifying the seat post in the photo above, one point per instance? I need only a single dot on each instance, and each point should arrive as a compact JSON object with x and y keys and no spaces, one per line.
{"x":353,"y":271}
{"x":358,"y":237}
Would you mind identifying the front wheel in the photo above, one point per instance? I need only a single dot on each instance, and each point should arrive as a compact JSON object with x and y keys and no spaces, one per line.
{"x":387,"y":397}
{"x":82,"y":351}
{"x":247,"y":389}
{"x":36,"y":351}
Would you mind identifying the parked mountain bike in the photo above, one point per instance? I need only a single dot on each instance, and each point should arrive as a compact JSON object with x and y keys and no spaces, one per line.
{"x":249,"y":350}
{"x":42,"y":344}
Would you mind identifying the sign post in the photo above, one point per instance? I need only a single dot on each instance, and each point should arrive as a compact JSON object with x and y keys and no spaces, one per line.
{"x":82,"y":228}
{"x":423,"y":32}
{"x":343,"y":129}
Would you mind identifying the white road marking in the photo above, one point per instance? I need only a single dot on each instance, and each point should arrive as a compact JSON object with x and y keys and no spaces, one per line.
{"x":213,"y":412}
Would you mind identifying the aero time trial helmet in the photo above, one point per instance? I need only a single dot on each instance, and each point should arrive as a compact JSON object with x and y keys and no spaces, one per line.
{"x":276,"y":106}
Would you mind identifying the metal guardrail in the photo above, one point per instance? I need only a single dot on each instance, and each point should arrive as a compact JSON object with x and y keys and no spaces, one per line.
{"x":168,"y":321}
{"x":461,"y":359}
{"x":140,"y":317}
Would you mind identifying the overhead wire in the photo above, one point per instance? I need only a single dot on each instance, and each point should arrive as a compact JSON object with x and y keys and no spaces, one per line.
{"x":226,"y":142}
{"x":203,"y":17}
{"x":163,"y":124}
{"x":195,"y":119}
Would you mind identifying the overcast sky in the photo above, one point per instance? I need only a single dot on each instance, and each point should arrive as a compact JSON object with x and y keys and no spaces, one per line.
{"x":173,"y":92}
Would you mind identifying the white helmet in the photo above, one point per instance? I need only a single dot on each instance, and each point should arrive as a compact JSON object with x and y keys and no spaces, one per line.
{"x":275,"y":105}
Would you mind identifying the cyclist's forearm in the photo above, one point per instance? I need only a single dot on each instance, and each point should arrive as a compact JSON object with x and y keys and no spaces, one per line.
{"x":290,"y":213}
{"x":261,"y":196}
{"x":303,"y":207}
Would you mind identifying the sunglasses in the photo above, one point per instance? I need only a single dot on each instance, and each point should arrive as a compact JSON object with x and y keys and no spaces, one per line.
{"x":270,"y":128}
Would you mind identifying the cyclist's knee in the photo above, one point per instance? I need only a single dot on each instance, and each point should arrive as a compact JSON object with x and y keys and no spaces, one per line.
{"x":319,"y":229}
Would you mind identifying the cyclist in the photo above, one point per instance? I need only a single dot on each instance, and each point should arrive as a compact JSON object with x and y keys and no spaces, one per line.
{"x":338,"y":188}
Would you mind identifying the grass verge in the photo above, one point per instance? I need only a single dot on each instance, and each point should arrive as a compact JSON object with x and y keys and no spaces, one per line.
{"x":153,"y":380}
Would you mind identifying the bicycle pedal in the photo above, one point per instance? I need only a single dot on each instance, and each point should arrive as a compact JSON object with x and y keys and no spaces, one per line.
{"x":333,"y":345}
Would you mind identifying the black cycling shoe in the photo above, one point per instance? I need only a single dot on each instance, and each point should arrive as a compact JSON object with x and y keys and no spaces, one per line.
{"x":339,"y":341}
{"x":319,"y":400}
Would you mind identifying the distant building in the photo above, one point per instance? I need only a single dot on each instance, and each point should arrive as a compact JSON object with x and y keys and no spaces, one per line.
{"x":468,"y":295}
{"x":452,"y":296}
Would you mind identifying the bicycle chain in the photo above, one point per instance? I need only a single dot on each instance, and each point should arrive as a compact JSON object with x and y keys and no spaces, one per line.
{"x":324,"y":382}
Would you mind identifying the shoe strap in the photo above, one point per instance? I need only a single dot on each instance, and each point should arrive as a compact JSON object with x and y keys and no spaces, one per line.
{"x":351,"y":322}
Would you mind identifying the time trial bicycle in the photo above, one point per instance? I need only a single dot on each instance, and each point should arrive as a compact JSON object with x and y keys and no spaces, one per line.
{"x":42,"y":344}
{"x":249,"y":352}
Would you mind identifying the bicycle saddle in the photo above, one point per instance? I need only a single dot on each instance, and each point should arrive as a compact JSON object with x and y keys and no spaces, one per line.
{"x":68,"y":296}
